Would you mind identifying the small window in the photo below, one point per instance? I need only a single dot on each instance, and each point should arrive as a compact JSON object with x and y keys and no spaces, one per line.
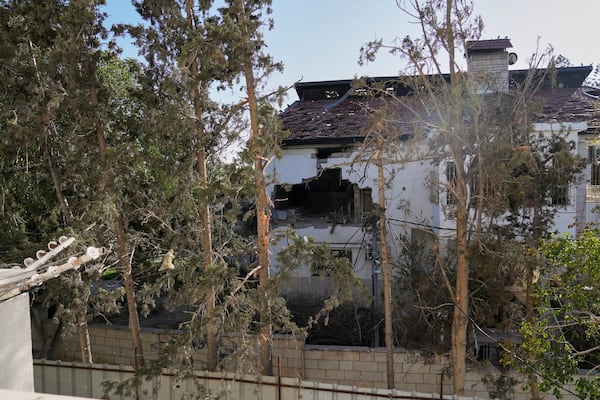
{"x":560,"y":192}
{"x":594,"y":160}
{"x":451,"y":181}
{"x":560,"y":195}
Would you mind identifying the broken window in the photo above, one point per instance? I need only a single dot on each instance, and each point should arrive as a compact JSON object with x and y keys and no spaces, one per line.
{"x":326,"y":194}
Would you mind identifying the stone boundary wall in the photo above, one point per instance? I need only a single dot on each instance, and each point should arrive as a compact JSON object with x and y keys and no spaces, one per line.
{"x":353,"y":366}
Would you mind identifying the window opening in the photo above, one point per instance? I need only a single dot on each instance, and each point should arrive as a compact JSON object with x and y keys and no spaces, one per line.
{"x":594,"y":160}
{"x":451,"y":181}
{"x":326,"y":152}
{"x":559,"y":194}
{"x":327,"y":196}
{"x":325,"y":269}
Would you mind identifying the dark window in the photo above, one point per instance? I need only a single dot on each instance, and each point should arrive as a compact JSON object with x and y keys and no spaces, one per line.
{"x":560,"y":191}
{"x":324,"y":269}
{"x":594,"y":160}
{"x":560,"y":195}
{"x":451,"y":181}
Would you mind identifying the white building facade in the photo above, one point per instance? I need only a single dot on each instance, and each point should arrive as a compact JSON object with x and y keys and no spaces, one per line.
{"x":321,"y":191}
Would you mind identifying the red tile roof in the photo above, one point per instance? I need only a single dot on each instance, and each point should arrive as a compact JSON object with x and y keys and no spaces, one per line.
{"x":339,"y":120}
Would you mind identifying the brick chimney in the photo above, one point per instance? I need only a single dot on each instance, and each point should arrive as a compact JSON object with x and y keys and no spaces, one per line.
{"x":487,"y":64}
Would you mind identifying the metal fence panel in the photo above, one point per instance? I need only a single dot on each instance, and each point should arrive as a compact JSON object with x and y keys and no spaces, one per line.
{"x":85,"y":380}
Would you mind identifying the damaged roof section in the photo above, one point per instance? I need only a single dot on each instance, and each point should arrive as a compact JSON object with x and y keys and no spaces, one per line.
{"x":570,"y":105}
{"x":336,"y":112}
{"x":327,"y":199}
{"x":311,"y":121}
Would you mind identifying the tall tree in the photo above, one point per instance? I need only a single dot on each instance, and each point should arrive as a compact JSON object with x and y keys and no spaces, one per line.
{"x":386,"y":267}
{"x":480,"y":142}
{"x":184,"y":44}
{"x":445,"y":26}
{"x":247,"y":19}
{"x":383,"y":148}
{"x":46,"y":48}
{"x":205,"y":215}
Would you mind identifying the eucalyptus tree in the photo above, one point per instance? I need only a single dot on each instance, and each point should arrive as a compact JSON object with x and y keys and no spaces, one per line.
{"x":443,"y":25}
{"x":388,"y":152}
{"x":188,"y":50}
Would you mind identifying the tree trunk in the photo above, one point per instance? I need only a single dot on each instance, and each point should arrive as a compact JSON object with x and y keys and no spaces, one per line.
{"x":262,"y":201}
{"x":205,"y":217}
{"x":460,"y":317}
{"x":125,"y":266}
{"x":122,"y":246}
{"x":386,"y":270}
{"x":262,"y":249}
{"x":85,"y":346}
{"x":60,"y":196}
{"x":211,"y":329}
{"x":534,"y":393}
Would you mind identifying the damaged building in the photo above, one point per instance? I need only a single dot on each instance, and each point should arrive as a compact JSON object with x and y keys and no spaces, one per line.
{"x":321,"y":191}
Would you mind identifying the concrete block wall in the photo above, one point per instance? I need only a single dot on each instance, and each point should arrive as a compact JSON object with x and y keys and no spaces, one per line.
{"x":113,"y":345}
{"x":353,"y":366}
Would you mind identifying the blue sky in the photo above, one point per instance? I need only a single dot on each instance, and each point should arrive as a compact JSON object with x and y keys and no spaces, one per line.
{"x":321,"y":39}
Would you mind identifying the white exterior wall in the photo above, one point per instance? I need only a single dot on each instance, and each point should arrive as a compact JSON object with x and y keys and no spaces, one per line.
{"x":343,"y":238}
{"x":16,"y":359}
{"x":568,"y":219}
{"x":411,"y":188}
{"x":407,"y":191}
{"x":576,"y":214}
{"x":295,"y":165}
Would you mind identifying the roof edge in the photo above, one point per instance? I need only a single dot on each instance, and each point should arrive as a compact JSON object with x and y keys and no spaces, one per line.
{"x":322,"y":141}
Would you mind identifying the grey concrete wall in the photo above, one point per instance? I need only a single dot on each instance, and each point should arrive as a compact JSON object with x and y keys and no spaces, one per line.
{"x":16,"y":360}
